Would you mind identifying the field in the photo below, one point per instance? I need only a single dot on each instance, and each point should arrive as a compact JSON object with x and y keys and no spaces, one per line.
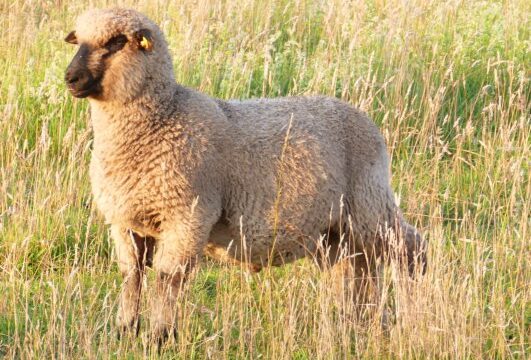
{"x":447,"y":82}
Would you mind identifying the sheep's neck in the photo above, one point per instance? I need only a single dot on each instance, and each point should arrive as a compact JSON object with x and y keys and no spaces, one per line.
{"x":118,"y":127}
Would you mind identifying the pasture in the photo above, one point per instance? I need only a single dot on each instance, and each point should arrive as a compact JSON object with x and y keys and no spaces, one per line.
{"x":446,"y":82}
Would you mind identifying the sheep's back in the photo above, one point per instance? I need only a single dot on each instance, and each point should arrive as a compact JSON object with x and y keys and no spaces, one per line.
{"x":293,"y":162}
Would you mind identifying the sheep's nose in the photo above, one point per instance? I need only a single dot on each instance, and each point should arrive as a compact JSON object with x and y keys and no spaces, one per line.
{"x":80,"y":81}
{"x":72,"y":77}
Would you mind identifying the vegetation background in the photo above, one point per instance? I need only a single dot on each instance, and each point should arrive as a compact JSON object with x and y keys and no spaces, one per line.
{"x":446,"y":81}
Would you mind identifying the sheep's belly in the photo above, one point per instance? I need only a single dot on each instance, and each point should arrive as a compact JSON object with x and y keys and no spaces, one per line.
{"x":227,"y":245}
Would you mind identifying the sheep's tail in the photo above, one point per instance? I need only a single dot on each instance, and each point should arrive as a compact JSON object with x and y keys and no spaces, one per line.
{"x":412,"y":249}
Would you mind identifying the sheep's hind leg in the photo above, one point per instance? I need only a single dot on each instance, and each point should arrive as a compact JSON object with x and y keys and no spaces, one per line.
{"x":133,"y":253}
{"x":355,"y":276}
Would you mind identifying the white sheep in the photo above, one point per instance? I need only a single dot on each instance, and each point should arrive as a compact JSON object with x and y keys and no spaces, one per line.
{"x":177,"y":173}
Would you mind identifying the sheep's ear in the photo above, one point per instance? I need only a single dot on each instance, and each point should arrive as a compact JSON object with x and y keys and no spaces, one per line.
{"x":71,"y":38}
{"x":144,"y":40}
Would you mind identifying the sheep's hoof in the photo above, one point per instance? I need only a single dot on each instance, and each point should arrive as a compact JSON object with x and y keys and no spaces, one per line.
{"x":161,"y":334}
{"x":130,"y":329}
{"x":385,"y":322}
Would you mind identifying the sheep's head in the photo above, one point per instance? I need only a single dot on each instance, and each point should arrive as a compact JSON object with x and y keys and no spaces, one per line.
{"x":120,"y":52}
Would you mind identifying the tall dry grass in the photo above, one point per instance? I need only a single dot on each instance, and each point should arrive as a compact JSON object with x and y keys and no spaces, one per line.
{"x":448,"y":84}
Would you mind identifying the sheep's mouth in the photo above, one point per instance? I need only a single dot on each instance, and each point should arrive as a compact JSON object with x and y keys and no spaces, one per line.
{"x":92,"y":88}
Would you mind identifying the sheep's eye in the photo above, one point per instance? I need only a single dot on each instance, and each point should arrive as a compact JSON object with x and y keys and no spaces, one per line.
{"x":116,"y":43}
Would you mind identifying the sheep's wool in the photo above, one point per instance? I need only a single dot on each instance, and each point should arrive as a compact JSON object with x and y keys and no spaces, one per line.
{"x":255,"y":181}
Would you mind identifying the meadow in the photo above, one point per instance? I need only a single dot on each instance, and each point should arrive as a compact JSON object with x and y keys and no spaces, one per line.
{"x":447,"y":82}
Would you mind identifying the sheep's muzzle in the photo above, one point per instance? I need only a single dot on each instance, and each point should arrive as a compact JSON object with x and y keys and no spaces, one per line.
{"x":78,"y":77}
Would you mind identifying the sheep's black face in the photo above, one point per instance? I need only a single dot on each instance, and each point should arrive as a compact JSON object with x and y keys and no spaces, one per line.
{"x":81,"y":81}
{"x":96,"y":66}
{"x":83,"y":75}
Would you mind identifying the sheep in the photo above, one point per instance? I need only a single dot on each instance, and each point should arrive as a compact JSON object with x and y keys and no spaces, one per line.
{"x":178,"y":174}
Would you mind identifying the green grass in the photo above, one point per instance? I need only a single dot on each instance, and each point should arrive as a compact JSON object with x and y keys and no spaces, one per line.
{"x":447,"y":83}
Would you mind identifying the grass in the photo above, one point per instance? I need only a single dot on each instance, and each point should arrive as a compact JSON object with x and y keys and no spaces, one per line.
{"x":448,"y":84}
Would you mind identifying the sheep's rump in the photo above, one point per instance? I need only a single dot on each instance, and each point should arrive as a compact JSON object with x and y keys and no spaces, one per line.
{"x":298,"y":168}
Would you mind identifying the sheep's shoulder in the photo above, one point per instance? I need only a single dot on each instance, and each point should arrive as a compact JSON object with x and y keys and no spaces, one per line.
{"x":147,"y":181}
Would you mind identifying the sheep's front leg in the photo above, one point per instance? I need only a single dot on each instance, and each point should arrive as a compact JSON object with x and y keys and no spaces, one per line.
{"x":177,"y":253}
{"x":133,"y":252}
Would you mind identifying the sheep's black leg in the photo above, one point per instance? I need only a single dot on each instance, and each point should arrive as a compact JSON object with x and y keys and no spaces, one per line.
{"x":357,"y":278}
{"x":355,"y":275}
{"x":176,"y":254}
{"x":133,"y":253}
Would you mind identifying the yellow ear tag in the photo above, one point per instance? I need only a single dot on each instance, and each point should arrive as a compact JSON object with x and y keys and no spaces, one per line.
{"x":146,"y":44}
